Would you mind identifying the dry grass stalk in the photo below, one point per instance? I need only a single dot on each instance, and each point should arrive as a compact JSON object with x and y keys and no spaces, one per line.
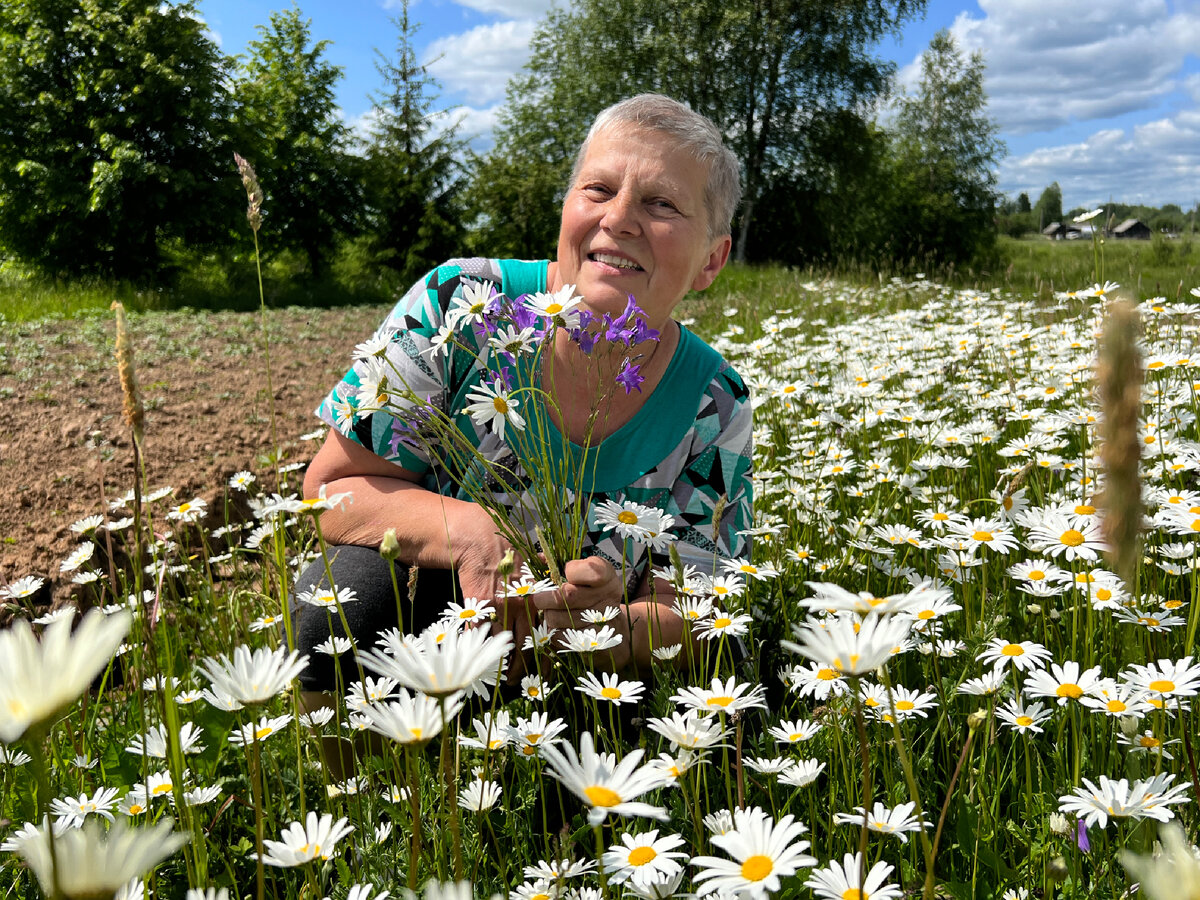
{"x":1119,"y":378}
{"x":254,"y":194}
{"x":132,"y":408}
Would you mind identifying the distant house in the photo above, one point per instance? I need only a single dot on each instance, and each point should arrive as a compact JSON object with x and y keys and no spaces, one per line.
{"x":1132,"y":229}
{"x":1059,"y":231}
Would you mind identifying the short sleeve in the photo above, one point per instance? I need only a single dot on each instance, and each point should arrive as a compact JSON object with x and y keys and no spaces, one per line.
{"x":406,"y":367}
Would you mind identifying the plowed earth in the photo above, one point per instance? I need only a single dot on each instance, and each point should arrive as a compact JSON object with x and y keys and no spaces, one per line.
{"x":65,"y":450}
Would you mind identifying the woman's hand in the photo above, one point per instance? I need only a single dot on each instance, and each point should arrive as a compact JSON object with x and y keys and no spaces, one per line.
{"x":591,"y":583}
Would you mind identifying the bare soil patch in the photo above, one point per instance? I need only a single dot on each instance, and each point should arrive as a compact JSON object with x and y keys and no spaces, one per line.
{"x":65,"y":450}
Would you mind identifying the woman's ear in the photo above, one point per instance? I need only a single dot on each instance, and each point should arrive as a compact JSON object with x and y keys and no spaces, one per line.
{"x":718,"y":255}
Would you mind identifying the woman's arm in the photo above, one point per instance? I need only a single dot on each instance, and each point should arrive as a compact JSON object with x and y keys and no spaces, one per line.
{"x":433,"y":531}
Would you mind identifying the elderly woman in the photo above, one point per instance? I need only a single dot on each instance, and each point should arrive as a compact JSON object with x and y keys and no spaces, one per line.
{"x":647,"y":217}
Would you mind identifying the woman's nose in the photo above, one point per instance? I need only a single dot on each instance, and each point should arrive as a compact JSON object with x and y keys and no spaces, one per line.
{"x":620,"y":214}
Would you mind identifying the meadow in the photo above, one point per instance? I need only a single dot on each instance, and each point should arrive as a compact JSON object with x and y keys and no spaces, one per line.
{"x":970,"y":607}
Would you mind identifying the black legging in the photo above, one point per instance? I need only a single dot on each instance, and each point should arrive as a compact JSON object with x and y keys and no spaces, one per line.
{"x":373,"y":611}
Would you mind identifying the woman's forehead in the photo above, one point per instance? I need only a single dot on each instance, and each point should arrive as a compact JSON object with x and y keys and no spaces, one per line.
{"x":656,"y":158}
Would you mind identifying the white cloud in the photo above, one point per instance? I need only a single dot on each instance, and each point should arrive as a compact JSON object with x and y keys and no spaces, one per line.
{"x":510,"y":9}
{"x":1051,"y":62}
{"x":478,"y":63}
{"x":473,"y":125}
{"x":516,"y":9}
{"x":1155,"y":163}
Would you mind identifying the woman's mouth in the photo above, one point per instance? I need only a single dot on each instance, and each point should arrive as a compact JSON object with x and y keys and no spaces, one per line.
{"x":617,"y":262}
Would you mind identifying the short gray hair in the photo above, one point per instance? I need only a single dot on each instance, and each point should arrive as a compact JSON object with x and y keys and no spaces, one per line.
{"x":695,"y":133}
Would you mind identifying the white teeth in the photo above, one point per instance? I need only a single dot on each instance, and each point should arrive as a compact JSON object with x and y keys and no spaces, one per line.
{"x":615,"y":261}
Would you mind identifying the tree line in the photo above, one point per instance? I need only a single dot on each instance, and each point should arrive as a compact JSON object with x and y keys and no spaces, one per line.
{"x":119,"y":120}
{"x":1020,"y":217}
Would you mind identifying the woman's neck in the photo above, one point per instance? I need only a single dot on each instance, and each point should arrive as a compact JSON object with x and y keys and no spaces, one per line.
{"x":582,"y":382}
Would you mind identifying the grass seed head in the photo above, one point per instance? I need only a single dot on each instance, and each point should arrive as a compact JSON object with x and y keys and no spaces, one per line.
{"x":132,"y":408}
{"x":254,"y":194}
{"x":1119,"y":378}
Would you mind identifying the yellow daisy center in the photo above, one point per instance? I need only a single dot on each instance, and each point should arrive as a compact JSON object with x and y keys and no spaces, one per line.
{"x":905,"y":705}
{"x":627,"y":517}
{"x":553,"y":309}
{"x":1103,"y":594}
{"x":1115,"y":706}
{"x":501,"y":405}
{"x":719,"y":701}
{"x":1071,"y":537}
{"x":757,"y":867}
{"x":1162,"y":686}
{"x":925,"y":614}
{"x":416,"y":733}
{"x":1084,"y":509}
{"x":466,"y":614}
{"x":827,"y":675}
{"x":983,"y":536}
{"x":940,"y":517}
{"x":642,"y":855}
{"x":1147,"y":741}
{"x":1148,"y":621}
{"x":1024,"y":721}
{"x":264,"y":732}
{"x":796,"y":736}
{"x":611,"y":693}
{"x":602,"y":796}
{"x":1071,"y":691}
{"x":723,"y":622}
{"x":1036,"y":575}
{"x":1012,"y":650}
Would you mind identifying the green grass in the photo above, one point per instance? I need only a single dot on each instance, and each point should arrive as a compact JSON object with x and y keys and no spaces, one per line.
{"x":1158,"y":267}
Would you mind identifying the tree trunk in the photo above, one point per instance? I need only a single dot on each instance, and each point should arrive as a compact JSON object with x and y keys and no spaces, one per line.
{"x":747,"y":216}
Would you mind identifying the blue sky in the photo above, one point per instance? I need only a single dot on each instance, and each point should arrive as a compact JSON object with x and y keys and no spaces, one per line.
{"x":1102,"y":96}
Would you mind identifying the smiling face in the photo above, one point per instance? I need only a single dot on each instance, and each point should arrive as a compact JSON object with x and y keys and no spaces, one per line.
{"x":635,"y":222}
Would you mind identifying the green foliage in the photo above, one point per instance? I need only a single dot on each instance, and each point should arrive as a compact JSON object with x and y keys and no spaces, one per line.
{"x":412,"y":178}
{"x":289,"y":129}
{"x":945,"y":152}
{"x":111,"y":134}
{"x":1049,"y":206}
{"x":781,"y":78}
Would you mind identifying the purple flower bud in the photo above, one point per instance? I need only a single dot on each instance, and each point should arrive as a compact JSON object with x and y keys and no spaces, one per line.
{"x":630,"y":378}
{"x":524,"y":317}
{"x":585,"y":339}
{"x":1081,"y":837}
{"x":643,"y":332}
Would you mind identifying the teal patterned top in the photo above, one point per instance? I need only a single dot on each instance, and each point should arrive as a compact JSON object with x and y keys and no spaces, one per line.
{"x":689,"y":444}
